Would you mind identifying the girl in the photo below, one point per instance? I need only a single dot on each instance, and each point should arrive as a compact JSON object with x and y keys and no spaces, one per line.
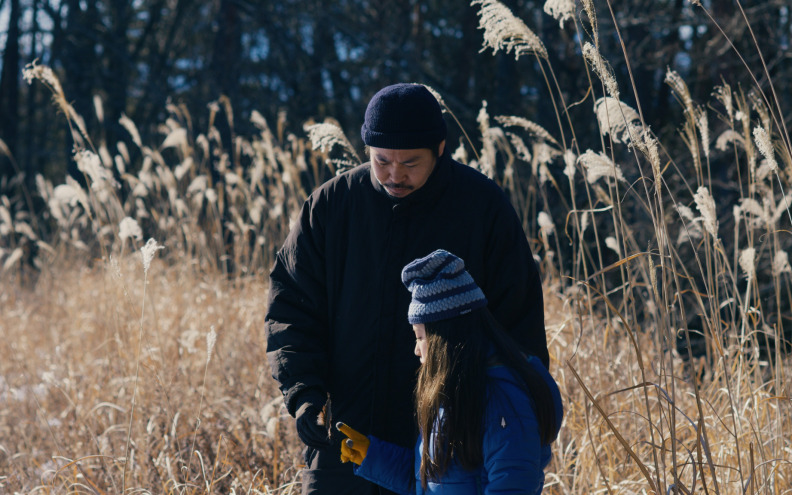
{"x":492,"y":412}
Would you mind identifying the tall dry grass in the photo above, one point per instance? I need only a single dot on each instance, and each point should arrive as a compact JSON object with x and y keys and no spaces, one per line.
{"x":667,"y":292}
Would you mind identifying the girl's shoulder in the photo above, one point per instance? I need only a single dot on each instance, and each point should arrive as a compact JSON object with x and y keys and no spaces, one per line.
{"x":506,"y":392}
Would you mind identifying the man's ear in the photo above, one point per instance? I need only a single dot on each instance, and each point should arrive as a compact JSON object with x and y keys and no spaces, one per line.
{"x":441,"y":148}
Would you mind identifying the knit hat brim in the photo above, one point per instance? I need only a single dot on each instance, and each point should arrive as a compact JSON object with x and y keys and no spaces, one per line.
{"x":403,"y":140}
{"x":403,"y":116}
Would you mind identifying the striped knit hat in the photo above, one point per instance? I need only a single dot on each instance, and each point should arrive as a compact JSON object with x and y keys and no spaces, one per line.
{"x":441,"y":288}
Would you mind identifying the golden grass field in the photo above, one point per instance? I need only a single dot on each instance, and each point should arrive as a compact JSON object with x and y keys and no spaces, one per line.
{"x":71,"y":347}
{"x":125,"y":368}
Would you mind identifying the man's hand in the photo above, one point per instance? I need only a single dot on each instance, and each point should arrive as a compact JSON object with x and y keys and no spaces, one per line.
{"x":355,"y":447}
{"x":310,"y":426}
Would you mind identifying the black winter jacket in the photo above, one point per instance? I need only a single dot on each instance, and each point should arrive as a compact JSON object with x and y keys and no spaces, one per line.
{"x":337,"y":317}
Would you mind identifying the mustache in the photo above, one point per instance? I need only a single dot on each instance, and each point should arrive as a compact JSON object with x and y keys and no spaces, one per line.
{"x":394,"y":185}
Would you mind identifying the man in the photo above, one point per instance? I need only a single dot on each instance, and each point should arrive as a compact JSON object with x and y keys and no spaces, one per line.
{"x":338,"y":340}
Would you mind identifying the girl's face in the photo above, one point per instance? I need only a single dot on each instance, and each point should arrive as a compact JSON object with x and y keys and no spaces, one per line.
{"x":420,"y":341}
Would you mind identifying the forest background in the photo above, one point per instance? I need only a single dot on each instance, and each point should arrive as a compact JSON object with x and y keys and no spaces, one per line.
{"x":643,"y":143}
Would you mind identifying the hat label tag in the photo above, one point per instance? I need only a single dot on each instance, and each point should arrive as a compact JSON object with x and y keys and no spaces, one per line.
{"x":465,"y":311}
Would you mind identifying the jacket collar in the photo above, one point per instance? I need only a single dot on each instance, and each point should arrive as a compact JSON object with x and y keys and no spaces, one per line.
{"x":436,"y":183}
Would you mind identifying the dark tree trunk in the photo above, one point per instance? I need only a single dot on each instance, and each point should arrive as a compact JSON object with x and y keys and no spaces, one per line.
{"x":9,"y":92}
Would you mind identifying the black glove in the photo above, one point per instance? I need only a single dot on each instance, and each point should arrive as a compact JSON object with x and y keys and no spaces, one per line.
{"x":310,"y":427}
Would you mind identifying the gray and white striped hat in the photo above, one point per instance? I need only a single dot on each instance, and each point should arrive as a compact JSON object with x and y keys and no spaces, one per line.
{"x":441,"y":288}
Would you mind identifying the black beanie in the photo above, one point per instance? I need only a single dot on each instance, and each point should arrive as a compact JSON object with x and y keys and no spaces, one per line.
{"x":403,"y":116}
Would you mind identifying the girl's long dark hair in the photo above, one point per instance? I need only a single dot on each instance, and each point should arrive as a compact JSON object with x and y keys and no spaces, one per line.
{"x":454,"y":377}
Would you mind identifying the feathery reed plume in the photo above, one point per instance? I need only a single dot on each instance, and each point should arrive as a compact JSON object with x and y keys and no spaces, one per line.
{"x":765,"y":146}
{"x":148,"y":251}
{"x":545,"y":223}
{"x":613,"y":244}
{"x":129,"y":228}
{"x":460,"y":154}
{"x":211,"y":340}
{"x":724,"y":95}
{"x":176,"y":138}
{"x":67,"y":195}
{"x":47,"y":76}
{"x":748,"y":262}
{"x":520,"y":148}
{"x":727,"y":137}
{"x":102,"y":181}
{"x":691,"y":229}
{"x":570,"y":159}
{"x":591,"y":13}
{"x":760,"y":214}
{"x":703,"y":126}
{"x":543,"y":155}
{"x":648,"y":146}
{"x":602,"y":69}
{"x":673,"y":79}
{"x":560,"y":10}
{"x":325,"y":136}
{"x":488,"y":151}
{"x":98,"y":108}
{"x":503,"y":30}
{"x":614,"y":118}
{"x":533,"y":128}
{"x":781,"y":263}
{"x":705,"y":204}
{"x":12,"y":259}
{"x":131,"y":128}
{"x":546,"y":228}
{"x":598,"y":165}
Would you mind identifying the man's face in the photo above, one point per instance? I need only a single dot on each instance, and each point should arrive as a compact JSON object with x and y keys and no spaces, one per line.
{"x":402,"y":172}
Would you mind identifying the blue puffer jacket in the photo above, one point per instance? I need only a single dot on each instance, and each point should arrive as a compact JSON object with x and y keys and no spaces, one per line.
{"x":514,"y":458}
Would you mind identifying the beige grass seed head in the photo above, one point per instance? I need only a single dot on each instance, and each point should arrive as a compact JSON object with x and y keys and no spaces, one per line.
{"x":560,"y":10}
{"x":613,"y":245}
{"x":598,"y":165}
{"x":325,"y":136}
{"x":703,"y":126}
{"x":535,"y":130}
{"x":705,"y":204}
{"x":129,"y":228}
{"x":545,"y":222}
{"x":724,"y":95}
{"x":570,"y":159}
{"x":148,"y":251}
{"x":781,"y":263}
{"x":504,"y":31}
{"x":728,"y":137}
{"x":747,"y":262}
{"x":617,"y":119}
{"x":602,"y":69}
{"x":679,"y":86}
{"x":765,"y":146}
{"x":211,"y":340}
{"x":591,"y":13}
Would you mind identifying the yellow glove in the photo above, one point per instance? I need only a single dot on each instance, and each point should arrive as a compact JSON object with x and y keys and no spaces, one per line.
{"x":355,"y":447}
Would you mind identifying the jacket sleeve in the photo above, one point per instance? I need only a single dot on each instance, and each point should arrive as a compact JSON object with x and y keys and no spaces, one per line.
{"x":296,"y":323}
{"x":390,"y":466}
{"x":514,"y":457}
{"x":514,"y":285}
